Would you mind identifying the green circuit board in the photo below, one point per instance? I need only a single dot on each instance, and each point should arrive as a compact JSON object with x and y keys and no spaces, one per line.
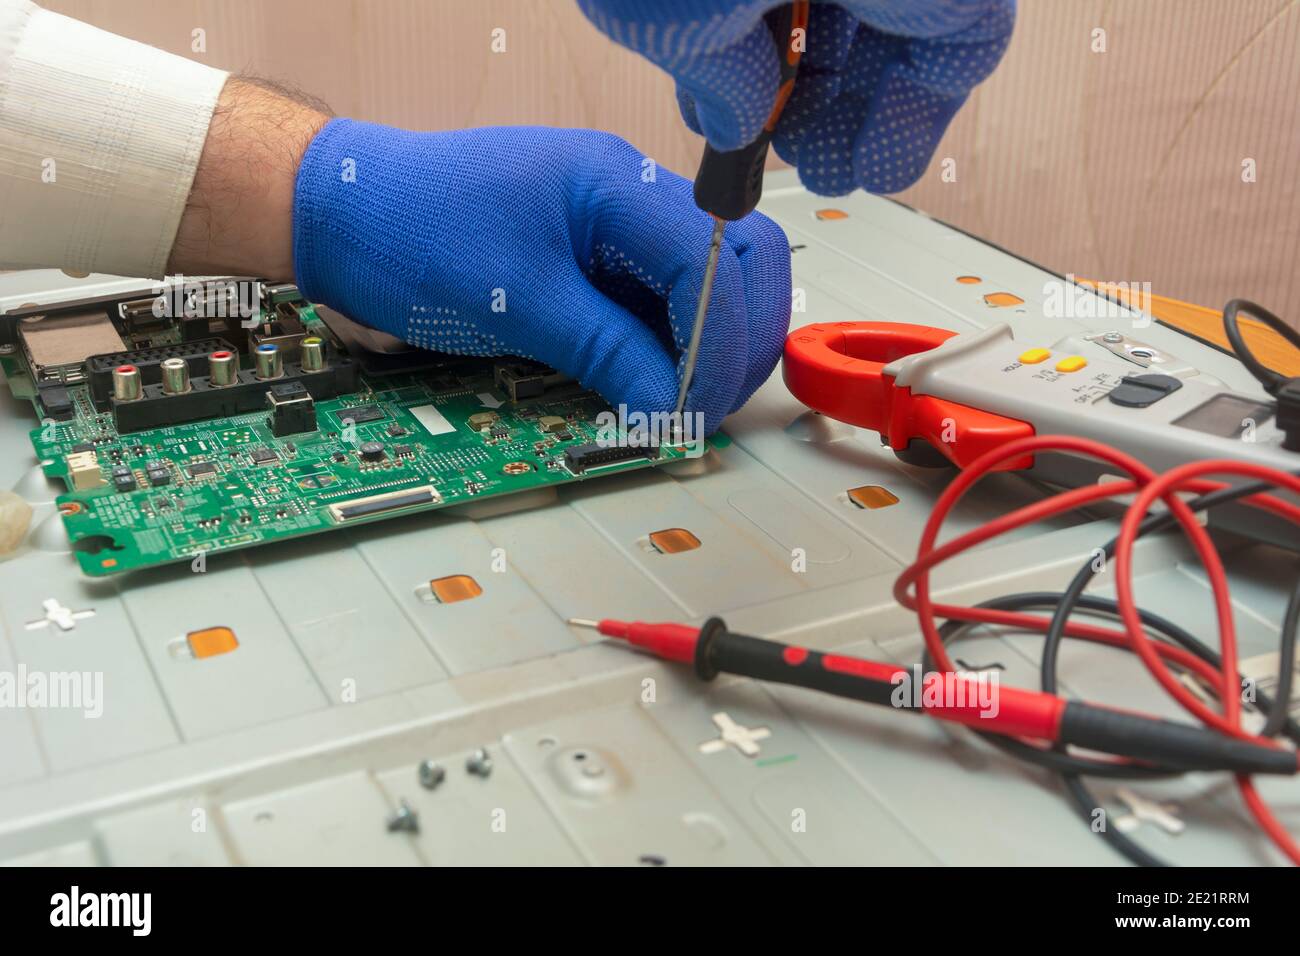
{"x":398,"y":445}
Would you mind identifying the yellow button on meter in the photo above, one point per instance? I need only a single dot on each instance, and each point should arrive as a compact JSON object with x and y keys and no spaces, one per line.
{"x":1034,"y":356}
{"x":1071,"y":364}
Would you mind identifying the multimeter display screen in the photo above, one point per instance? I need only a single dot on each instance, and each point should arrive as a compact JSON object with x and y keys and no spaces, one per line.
{"x":1226,"y":416}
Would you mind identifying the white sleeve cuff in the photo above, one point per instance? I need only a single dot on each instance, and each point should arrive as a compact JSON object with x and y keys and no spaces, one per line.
{"x":99,"y":140}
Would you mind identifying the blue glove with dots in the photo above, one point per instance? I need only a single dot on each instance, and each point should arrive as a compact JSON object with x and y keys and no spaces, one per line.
{"x":561,"y":245}
{"x":878,"y":82}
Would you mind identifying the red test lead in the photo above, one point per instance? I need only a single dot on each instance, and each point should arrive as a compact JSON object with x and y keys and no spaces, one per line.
{"x":961,"y":698}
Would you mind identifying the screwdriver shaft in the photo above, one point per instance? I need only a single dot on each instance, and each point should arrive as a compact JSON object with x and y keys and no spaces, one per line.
{"x":697,"y":330}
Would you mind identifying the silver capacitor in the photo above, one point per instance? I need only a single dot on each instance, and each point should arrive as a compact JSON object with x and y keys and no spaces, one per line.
{"x":313,"y":353}
{"x":175,"y":376}
{"x":270,"y":364}
{"x":222,"y":368}
{"x":127,"y":384}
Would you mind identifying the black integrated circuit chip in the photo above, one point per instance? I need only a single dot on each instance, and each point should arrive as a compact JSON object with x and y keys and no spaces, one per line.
{"x":361,"y":414}
{"x":262,"y":456}
{"x":201,"y":468}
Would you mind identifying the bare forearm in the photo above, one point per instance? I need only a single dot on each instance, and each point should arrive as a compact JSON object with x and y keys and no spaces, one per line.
{"x":238,"y":219}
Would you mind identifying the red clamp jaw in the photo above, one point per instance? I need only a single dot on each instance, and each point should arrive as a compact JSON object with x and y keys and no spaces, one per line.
{"x":838,"y":369}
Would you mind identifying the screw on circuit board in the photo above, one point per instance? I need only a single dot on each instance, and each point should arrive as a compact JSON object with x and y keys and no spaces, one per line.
{"x":480,"y":763}
{"x":431,"y":774}
{"x":404,"y":820}
{"x":6,"y":350}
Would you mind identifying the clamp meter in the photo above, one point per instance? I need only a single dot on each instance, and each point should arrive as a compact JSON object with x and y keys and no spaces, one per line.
{"x":965,"y":394}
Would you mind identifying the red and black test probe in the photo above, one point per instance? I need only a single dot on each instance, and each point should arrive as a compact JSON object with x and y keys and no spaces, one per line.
{"x":713,"y":650}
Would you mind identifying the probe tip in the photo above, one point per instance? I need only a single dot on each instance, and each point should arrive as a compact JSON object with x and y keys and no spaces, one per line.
{"x":584,"y":622}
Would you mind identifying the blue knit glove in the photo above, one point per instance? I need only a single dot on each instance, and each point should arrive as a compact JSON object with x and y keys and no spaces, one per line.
{"x":878,"y":83}
{"x":564,"y":246}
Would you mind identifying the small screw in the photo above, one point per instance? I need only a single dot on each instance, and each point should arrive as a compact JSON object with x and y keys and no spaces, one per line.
{"x":431,"y":775}
{"x":479,"y":763}
{"x":6,"y":349}
{"x":404,"y":820}
{"x":1112,"y":337}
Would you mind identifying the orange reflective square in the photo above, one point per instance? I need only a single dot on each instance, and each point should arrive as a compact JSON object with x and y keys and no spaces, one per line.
{"x":673,"y":541}
{"x":455,"y":587}
{"x":211,"y":641}
{"x":1003,"y":300}
{"x":872,"y":496}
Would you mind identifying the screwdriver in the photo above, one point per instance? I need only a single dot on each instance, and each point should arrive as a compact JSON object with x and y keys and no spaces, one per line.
{"x":713,"y":650}
{"x":728,"y":184}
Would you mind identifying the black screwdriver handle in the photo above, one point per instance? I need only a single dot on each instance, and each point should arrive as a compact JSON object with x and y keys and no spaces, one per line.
{"x":729,"y":184}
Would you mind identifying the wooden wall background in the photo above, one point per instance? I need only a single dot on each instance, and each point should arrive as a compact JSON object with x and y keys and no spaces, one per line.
{"x":1123,"y":165}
